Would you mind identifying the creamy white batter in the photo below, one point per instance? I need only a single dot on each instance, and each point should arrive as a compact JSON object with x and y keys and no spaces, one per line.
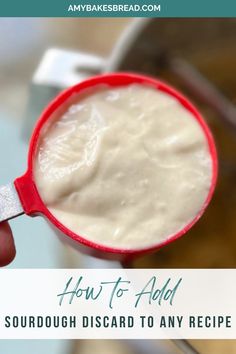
{"x":126,"y":167}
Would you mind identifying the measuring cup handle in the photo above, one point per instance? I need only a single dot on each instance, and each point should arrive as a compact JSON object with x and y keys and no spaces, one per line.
{"x":10,"y":205}
{"x":28,"y":195}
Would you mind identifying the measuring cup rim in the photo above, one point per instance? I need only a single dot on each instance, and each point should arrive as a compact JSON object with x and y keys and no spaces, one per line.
{"x":36,"y":205}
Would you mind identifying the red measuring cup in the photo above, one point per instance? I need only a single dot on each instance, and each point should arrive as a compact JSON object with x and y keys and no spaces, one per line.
{"x":23,"y":196}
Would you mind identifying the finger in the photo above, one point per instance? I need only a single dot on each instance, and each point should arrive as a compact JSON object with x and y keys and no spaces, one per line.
{"x":7,"y":245}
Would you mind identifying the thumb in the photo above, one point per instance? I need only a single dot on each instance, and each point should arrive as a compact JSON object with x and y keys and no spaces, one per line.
{"x":7,"y":245}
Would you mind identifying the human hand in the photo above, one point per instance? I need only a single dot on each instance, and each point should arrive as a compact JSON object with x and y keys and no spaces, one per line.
{"x":7,"y":245}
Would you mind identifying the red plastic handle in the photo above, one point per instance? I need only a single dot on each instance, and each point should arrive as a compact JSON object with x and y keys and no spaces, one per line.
{"x":28,"y":194}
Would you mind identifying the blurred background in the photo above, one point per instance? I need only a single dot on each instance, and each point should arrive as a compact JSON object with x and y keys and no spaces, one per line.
{"x":39,"y":57}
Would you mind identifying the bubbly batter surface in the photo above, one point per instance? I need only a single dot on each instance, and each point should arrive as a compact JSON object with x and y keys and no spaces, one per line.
{"x":126,"y":167}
